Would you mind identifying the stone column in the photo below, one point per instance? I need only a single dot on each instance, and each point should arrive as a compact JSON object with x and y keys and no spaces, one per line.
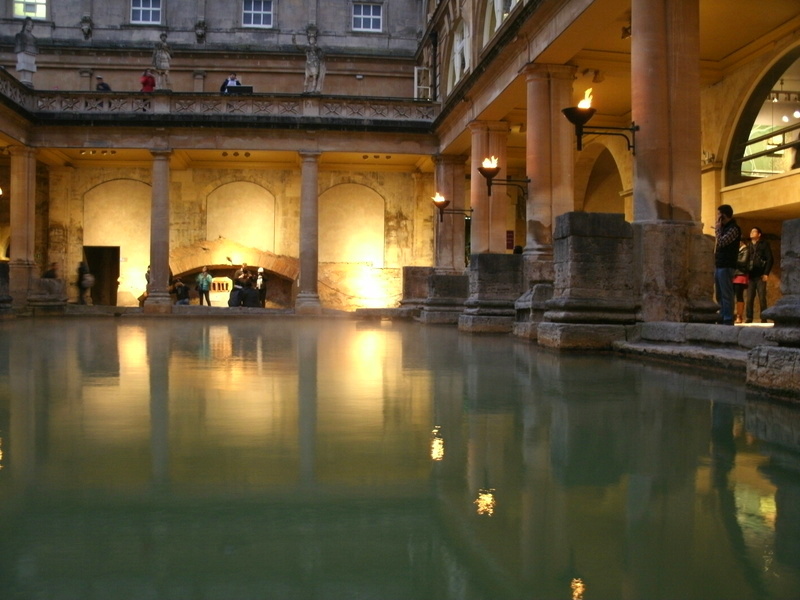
{"x":488,"y":231}
{"x":158,"y":300}
{"x":549,"y":162}
{"x":665,"y":70}
{"x":550,"y":165}
{"x":675,"y":269}
{"x":450,"y":229}
{"x":23,"y":223}
{"x":447,"y":284}
{"x":308,"y":296}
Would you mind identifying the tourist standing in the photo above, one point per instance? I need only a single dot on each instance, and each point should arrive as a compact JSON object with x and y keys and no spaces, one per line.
{"x":760,"y":265}
{"x":261,"y":286}
{"x":726,"y":252}
{"x":148,"y":81}
{"x":740,"y":279}
{"x":102,"y":86}
{"x":203,"y":285}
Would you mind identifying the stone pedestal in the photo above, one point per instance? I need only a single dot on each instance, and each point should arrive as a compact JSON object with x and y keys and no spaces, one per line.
{"x":595,"y":292}
{"x":675,"y":265}
{"x":415,"y":288}
{"x":530,"y":309}
{"x":775,"y":368}
{"x":495,"y":283}
{"x":47,"y":296}
{"x":447,"y":293}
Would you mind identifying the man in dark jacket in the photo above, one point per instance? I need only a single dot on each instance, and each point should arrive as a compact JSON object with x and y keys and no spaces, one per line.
{"x":726,"y":253}
{"x":760,"y":264}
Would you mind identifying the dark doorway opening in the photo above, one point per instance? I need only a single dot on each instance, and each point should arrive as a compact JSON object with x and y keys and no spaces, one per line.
{"x":103,"y":263}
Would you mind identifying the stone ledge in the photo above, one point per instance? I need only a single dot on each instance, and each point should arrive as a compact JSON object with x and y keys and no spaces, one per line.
{"x":734,"y":358}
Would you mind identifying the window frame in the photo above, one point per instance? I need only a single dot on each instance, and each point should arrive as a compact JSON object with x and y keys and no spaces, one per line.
{"x":353,"y":17}
{"x":22,"y":14}
{"x":271,"y":15}
{"x":160,"y":10}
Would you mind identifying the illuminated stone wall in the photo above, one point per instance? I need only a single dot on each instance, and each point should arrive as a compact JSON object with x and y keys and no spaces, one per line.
{"x":371,"y":224}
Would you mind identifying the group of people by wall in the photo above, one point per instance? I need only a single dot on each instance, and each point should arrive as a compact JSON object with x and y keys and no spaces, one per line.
{"x":741,"y":269}
{"x":248,"y":288}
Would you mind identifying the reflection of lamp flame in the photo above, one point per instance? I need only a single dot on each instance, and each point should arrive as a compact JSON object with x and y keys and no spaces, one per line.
{"x":577,"y":589}
{"x":489,"y":163}
{"x":587,"y":100}
{"x":437,"y":444}
{"x":485,"y":502}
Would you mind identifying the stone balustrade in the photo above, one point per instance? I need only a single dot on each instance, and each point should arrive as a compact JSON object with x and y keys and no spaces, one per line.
{"x":69,"y":106}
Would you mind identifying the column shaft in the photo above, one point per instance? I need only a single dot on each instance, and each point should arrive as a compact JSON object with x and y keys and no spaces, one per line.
{"x":665,"y":70}
{"x":450,"y":230}
{"x":23,"y":222}
{"x":549,"y":156}
{"x":488,"y":231}
{"x":158,"y":294}
{"x":308,"y":295}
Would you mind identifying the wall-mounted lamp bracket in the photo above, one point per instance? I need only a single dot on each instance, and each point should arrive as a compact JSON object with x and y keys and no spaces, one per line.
{"x":441,"y":204}
{"x":490,"y":174}
{"x":580,"y":116}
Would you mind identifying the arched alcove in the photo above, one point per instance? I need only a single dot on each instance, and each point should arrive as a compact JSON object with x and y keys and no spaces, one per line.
{"x":244,"y":212}
{"x":116,"y":214}
{"x":351,"y":225}
{"x":766,"y":139}
{"x":604,"y":186}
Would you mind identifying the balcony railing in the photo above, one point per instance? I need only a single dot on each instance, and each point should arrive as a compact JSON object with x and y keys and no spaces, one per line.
{"x":277,"y":109}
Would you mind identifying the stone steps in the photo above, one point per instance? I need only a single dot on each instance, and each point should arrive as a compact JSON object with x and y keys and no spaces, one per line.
{"x":713,"y":346}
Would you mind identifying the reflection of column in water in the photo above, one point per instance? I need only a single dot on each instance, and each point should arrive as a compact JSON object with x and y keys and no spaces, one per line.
{"x":22,"y":373}
{"x":307,"y":403}
{"x":158,"y":355}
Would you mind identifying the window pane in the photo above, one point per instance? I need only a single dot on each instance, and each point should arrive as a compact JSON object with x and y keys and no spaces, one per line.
{"x":367,"y":17}
{"x":257,"y":13}
{"x":146,"y":11}
{"x":36,"y":9}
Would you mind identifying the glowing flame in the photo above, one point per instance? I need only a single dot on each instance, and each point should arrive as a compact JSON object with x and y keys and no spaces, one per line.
{"x":587,"y":100}
{"x":438,"y":198}
{"x":577,"y":589}
{"x":437,"y":445}
{"x":485,"y":502}
{"x":490,"y":163}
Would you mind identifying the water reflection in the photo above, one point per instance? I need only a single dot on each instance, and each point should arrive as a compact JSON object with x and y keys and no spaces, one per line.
{"x":306,"y":459}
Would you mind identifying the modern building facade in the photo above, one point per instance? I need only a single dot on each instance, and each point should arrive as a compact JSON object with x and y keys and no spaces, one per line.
{"x":360,"y":112}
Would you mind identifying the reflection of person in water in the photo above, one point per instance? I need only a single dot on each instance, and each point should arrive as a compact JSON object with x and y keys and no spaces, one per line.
{"x":723,"y":460}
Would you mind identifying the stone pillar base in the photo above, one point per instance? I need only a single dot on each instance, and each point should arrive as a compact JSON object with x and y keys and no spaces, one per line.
{"x":774,"y":369}
{"x":308,"y":304}
{"x":572,"y":336}
{"x":495,"y":283}
{"x":447,"y":293}
{"x":415,"y":286}
{"x":158,"y":303}
{"x":484,"y":323}
{"x":530,"y":309}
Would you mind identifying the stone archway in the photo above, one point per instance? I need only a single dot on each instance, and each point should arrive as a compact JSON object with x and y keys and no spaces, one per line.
{"x":223,"y":257}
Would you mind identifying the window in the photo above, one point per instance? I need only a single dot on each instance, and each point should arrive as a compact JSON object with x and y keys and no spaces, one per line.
{"x":367,"y":17}
{"x":145,"y":11}
{"x":257,"y":13}
{"x":35,"y":9}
